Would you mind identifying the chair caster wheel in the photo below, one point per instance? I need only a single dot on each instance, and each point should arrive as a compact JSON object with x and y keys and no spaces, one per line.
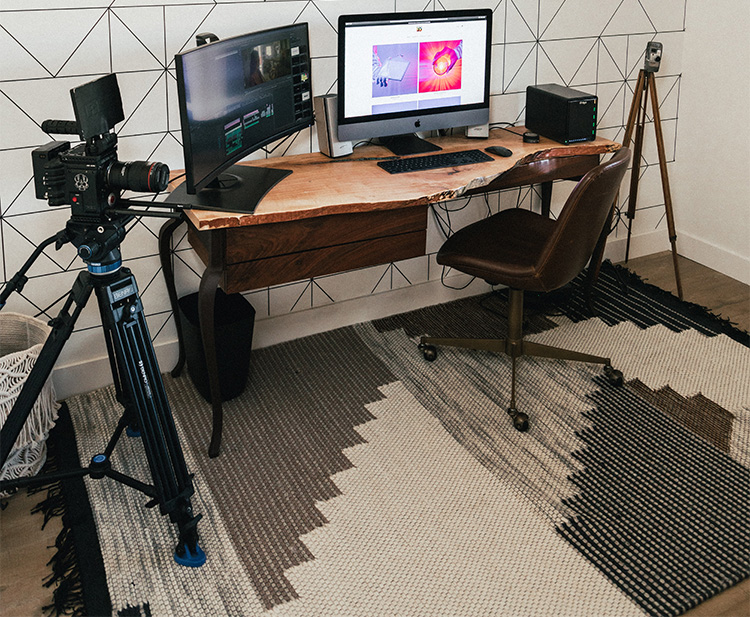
{"x":614,"y":376}
{"x":428,"y":351}
{"x":520,"y":419}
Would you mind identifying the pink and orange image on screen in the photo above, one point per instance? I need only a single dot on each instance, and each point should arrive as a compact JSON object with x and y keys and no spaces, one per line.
{"x":440,"y":66}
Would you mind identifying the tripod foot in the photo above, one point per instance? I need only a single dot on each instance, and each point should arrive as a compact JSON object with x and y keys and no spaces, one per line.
{"x":190,"y":559}
{"x":132,"y":432}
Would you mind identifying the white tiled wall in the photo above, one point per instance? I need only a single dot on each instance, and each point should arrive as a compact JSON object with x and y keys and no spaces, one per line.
{"x":50,"y":46}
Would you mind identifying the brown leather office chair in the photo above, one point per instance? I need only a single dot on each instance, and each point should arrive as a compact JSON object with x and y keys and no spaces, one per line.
{"x":529,"y":252}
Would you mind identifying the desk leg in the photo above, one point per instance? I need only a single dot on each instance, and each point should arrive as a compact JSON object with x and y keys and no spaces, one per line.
{"x":206,"y":307}
{"x":165,"y":256}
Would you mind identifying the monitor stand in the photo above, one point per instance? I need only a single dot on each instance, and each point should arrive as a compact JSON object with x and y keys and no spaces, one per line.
{"x":239,"y":189}
{"x":402,"y":145}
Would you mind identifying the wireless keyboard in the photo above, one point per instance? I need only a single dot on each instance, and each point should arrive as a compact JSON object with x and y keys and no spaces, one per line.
{"x":435,"y":161}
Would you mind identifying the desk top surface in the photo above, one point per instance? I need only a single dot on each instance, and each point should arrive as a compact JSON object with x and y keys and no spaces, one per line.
{"x":320,"y":185}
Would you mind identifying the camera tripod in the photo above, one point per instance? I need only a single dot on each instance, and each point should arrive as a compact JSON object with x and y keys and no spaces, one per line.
{"x":646,"y":86}
{"x":137,"y":379}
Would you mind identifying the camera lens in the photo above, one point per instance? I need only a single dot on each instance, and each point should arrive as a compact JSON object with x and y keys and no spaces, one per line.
{"x":141,"y":176}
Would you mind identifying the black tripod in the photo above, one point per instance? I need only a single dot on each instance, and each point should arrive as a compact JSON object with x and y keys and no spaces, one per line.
{"x":137,"y":379}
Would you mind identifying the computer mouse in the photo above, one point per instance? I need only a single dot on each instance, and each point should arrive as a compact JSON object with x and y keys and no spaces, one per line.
{"x":499,"y":150}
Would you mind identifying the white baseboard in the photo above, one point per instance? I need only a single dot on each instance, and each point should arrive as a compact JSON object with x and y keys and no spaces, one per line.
{"x":719,"y":259}
{"x":74,"y":379}
{"x":640,"y":245}
{"x":710,"y":255}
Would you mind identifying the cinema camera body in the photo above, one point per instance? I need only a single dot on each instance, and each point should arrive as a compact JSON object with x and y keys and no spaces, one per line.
{"x":88,"y":176}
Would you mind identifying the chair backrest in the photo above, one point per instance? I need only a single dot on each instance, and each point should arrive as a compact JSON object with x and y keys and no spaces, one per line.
{"x":581,"y":222}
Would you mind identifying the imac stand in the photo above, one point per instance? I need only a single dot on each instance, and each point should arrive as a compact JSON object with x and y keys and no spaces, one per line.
{"x":410,"y":143}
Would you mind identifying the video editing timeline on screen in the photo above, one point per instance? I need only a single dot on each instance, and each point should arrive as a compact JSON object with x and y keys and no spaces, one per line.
{"x":237,"y":95}
{"x":277,"y":71}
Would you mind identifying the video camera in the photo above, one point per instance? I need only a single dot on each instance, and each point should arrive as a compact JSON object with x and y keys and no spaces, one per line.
{"x":88,"y":176}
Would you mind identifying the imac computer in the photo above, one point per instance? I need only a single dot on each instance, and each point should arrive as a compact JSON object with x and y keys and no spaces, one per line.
{"x":237,"y":95}
{"x":402,"y":73}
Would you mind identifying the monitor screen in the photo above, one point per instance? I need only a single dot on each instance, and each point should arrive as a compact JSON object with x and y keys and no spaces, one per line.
{"x":237,"y":95}
{"x":401,"y":73}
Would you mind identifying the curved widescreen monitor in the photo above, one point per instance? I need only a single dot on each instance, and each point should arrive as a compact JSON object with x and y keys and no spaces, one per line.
{"x":237,"y":95}
{"x":401,"y":73}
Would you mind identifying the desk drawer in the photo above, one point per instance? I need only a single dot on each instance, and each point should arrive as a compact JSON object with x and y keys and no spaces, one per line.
{"x":259,"y":241}
{"x":279,"y":269}
{"x":259,"y":256}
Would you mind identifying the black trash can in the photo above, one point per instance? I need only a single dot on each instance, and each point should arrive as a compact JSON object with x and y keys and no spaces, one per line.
{"x":234,"y":319}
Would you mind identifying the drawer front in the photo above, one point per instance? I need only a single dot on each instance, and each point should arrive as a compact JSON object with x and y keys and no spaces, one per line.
{"x":275,"y":270}
{"x":275,"y":239}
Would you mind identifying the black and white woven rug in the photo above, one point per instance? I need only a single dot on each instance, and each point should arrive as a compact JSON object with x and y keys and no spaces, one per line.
{"x":357,"y":479}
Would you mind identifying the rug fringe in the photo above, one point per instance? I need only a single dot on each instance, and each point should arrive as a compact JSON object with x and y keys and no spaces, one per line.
{"x":67,"y":596}
{"x":725,"y":325}
{"x":52,"y":506}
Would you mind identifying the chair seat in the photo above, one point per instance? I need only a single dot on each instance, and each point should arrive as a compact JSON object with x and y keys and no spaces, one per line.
{"x":502,"y":249}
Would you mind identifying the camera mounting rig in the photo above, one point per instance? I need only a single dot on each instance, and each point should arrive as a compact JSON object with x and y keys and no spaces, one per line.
{"x":90,"y":179}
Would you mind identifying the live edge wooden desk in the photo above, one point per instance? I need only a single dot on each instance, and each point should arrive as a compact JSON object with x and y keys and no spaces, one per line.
{"x":333,"y":215}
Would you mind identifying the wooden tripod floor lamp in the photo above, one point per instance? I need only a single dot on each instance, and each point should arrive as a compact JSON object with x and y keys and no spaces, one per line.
{"x":645,"y":87}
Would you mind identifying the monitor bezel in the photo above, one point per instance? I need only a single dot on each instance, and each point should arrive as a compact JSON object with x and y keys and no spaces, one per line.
{"x":192,"y":185}
{"x":404,"y":122}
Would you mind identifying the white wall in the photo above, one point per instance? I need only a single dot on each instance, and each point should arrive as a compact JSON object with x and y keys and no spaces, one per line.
{"x":50,"y":46}
{"x":712,"y":174}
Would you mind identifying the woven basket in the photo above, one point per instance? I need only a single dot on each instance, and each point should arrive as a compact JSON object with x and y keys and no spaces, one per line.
{"x":21,"y":341}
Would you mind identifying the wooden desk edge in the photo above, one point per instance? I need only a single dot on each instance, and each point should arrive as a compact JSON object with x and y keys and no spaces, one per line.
{"x":204,"y":220}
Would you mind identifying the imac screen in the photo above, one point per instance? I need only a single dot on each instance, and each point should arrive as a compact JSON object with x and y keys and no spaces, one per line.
{"x":405,"y":72}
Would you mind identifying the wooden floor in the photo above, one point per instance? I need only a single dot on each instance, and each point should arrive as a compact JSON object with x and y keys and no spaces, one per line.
{"x":23,"y":547}
{"x":722,"y":294}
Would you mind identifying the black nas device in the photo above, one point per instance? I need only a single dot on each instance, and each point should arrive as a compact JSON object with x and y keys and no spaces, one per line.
{"x":563,"y":114}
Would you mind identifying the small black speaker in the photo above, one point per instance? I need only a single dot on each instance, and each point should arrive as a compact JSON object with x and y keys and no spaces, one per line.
{"x":563,"y":114}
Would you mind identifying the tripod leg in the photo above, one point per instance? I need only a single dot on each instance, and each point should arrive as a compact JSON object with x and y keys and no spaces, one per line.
{"x":125,"y":325}
{"x":637,"y":152}
{"x":129,"y":419}
{"x":634,"y":107}
{"x":665,"y":184}
{"x":62,"y":326}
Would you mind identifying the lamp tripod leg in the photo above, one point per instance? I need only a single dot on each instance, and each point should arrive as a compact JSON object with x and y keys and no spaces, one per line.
{"x":642,"y":101}
{"x":665,"y":185}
